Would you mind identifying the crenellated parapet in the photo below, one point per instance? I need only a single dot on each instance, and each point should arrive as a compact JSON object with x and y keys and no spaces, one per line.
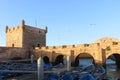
{"x":31,"y":29}
{"x":56,"y":47}
{"x":88,"y":45}
{"x":16,"y":28}
{"x":70,"y":47}
{"x":25,"y":36}
{"x":13,"y":29}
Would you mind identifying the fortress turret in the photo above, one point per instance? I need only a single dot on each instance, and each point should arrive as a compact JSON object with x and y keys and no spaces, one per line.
{"x":25,"y":36}
{"x":6,"y":29}
{"x":22,"y":23}
{"x":46,"y":29}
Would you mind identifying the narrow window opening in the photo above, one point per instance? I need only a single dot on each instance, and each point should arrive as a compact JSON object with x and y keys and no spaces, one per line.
{"x":38,"y":45}
{"x":13,"y":45}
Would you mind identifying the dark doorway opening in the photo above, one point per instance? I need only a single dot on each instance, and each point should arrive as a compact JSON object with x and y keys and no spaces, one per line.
{"x":46,"y":60}
{"x":113,"y":65}
{"x":13,"y":45}
{"x":38,"y":45}
{"x":59,"y":59}
{"x":84,"y":59}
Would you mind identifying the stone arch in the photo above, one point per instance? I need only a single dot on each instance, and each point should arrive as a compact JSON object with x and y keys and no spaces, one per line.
{"x":86,"y":52}
{"x":55,"y":54}
{"x":46,"y":59}
{"x":45,"y":53}
{"x":117,"y":58}
{"x":59,"y":59}
{"x":109,"y":54}
{"x":84,"y":55}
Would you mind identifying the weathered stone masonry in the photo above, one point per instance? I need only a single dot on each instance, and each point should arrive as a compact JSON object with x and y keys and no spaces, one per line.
{"x":24,"y":40}
{"x":25,"y":36}
{"x":21,"y":39}
{"x":100,"y":50}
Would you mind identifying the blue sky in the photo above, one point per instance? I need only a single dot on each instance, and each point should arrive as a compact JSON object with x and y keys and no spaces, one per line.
{"x":68,"y":21}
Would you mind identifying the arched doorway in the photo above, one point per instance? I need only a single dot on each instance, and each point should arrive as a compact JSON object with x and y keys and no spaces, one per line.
{"x":113,"y":58}
{"x":46,"y":59}
{"x":38,"y":45}
{"x":112,"y":65}
{"x":13,"y":45}
{"x":59,"y":59}
{"x":84,"y":59}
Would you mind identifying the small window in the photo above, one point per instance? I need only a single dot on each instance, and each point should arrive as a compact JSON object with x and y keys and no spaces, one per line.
{"x":38,"y":45}
{"x":13,"y":45}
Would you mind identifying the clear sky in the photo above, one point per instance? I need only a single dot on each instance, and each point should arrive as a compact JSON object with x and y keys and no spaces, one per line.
{"x":68,"y":21}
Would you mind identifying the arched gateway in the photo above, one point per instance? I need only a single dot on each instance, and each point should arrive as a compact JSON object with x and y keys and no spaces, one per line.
{"x":100,"y":50}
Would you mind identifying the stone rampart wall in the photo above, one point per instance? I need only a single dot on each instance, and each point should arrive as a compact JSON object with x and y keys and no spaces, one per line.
{"x":9,"y":53}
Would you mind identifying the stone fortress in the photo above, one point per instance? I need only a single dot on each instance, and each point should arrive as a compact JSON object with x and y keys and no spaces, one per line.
{"x":25,"y":36}
{"x":23,"y":41}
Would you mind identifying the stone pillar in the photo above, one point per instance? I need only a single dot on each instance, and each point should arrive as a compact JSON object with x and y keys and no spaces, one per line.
{"x":99,"y":56}
{"x":73,"y":57}
{"x":40,"y":68}
{"x":104,"y":58}
{"x":68,"y":63}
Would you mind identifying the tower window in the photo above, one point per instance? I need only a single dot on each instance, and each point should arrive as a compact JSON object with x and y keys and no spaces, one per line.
{"x":38,"y":45}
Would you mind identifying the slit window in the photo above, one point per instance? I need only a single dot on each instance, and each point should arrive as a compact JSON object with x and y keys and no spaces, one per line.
{"x":38,"y":45}
{"x":13,"y":45}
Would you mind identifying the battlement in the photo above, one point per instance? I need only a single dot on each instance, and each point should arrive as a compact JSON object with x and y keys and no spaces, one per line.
{"x":16,"y":27}
{"x":29,"y":28}
{"x":82,"y":45}
{"x":56,"y":47}
{"x":69,"y":46}
{"x":25,"y":36}
{"x":34,"y":29}
{"x":13,"y":29}
{"x":88,"y":45}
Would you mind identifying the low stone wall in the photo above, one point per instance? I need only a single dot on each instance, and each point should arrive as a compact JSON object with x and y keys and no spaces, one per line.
{"x":10,"y":52}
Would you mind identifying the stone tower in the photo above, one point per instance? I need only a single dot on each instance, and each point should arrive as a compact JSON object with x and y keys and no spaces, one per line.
{"x":25,"y":36}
